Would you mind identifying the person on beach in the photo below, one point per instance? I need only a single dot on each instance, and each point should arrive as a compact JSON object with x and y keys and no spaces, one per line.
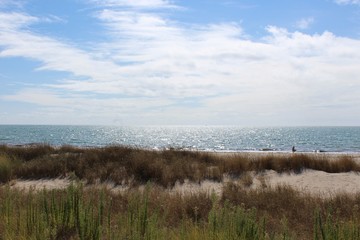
{"x":293,"y":149}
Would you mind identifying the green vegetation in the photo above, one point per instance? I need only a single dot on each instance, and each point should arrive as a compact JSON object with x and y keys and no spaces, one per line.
{"x":5,"y":169}
{"x":89,"y":212}
{"x":79,"y":213}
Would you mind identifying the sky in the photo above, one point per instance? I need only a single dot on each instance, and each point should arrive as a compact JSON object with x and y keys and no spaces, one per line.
{"x":180,"y":62}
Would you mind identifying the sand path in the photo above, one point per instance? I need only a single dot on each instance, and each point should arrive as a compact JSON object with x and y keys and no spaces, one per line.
{"x":310,"y":181}
{"x":317,"y":182}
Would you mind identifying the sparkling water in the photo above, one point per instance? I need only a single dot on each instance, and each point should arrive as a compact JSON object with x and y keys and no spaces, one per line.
{"x":207,"y":138}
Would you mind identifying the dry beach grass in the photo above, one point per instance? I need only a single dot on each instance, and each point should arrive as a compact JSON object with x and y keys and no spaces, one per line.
{"x":125,"y":165}
{"x":184,"y":195}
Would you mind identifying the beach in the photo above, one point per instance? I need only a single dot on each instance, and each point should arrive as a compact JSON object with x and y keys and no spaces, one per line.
{"x":166,"y":190}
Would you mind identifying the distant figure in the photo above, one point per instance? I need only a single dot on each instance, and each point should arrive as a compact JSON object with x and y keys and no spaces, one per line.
{"x":293,"y":149}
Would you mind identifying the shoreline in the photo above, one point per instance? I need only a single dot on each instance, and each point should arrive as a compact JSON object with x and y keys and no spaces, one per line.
{"x":259,"y":154}
{"x":185,"y":149}
{"x":281,"y":152}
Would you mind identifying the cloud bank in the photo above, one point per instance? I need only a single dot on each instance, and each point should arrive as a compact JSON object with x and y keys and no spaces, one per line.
{"x":155,"y":70}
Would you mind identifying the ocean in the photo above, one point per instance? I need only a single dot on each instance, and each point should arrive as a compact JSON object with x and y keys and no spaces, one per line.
{"x":202,"y":138}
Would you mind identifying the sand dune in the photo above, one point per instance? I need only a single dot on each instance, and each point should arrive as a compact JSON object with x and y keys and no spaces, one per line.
{"x":317,"y":182}
{"x":314,"y":182}
{"x":310,"y":181}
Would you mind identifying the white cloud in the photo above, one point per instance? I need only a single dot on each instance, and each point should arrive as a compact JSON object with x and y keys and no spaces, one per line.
{"x":17,"y":41}
{"x":135,"y":4}
{"x":53,"y":19}
{"x":14,"y":21}
{"x":151,"y":66}
{"x":304,"y":23}
{"x":11,"y":3}
{"x":80,"y":109}
{"x":345,"y":2}
{"x":51,"y":98}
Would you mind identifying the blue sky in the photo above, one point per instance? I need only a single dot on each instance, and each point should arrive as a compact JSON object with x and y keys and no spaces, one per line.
{"x":156,"y":62}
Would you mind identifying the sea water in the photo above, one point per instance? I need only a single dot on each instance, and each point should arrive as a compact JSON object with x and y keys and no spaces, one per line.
{"x":203,"y":138}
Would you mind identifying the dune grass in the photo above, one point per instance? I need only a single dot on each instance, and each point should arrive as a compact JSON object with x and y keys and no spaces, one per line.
{"x":82,"y":213}
{"x":97,"y":214}
{"x":155,"y":213}
{"x":125,"y":165}
{"x":5,"y":168}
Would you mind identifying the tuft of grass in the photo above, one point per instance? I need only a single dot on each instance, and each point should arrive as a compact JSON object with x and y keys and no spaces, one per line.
{"x":28,"y":152}
{"x":5,"y":169}
{"x":328,"y":226}
{"x":299,"y":162}
{"x":283,"y":203}
{"x":246,"y":179}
